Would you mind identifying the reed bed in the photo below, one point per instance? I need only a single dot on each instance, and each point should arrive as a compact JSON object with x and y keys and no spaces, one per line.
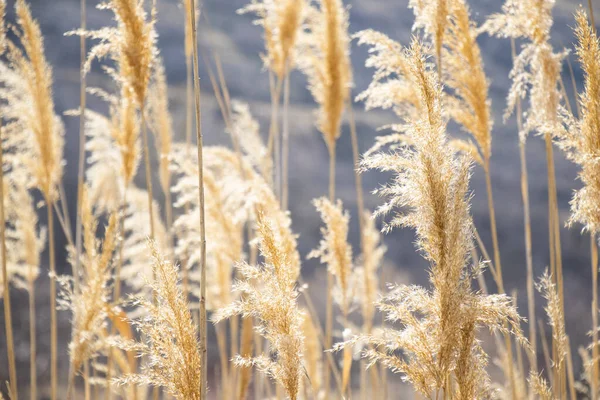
{"x":152,"y":277}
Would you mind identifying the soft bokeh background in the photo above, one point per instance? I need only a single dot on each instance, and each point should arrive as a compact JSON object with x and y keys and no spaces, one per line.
{"x":238,"y":43}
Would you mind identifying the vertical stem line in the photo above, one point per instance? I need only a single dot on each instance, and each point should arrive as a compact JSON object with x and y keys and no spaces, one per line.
{"x":594,"y":257}
{"x":10,"y":349}
{"x":329,"y":304}
{"x":203,"y":383}
{"x":32,"y":338}
{"x":285,"y":143}
{"x":53,"y":344}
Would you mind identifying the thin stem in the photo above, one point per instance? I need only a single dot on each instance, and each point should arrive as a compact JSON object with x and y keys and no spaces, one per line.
{"x":285,"y":143}
{"x":86,"y":379}
{"x":593,"y":23}
{"x":10,"y":349}
{"x":329,"y":304}
{"x":222,"y":344}
{"x":32,"y":338}
{"x":594,"y":257}
{"x":204,"y":364}
{"x":147,"y":167}
{"x":53,"y":344}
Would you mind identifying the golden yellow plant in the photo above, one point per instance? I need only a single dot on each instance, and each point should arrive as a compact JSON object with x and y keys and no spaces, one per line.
{"x":90,"y":303}
{"x":433,"y":17}
{"x":429,"y":193}
{"x":171,"y":336}
{"x":270,"y":295}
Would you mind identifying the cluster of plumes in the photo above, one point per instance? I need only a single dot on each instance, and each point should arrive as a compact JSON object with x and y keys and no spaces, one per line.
{"x":433,"y":17}
{"x":225,"y":218}
{"x":269,"y":294}
{"x":90,"y":302}
{"x":536,"y":69}
{"x":282,"y":23}
{"x":171,"y":336}
{"x":34,"y":132}
{"x":326,"y":62}
{"x":25,"y":241}
{"x":161,"y":124}
{"x":131,"y":45}
{"x":580,"y":137}
{"x":429,"y":193}
{"x":465,"y":78}
{"x":114,"y":151}
{"x":335,"y":251}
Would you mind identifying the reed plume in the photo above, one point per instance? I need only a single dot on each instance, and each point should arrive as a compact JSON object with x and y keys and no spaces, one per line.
{"x":89,"y":304}
{"x":312,"y":354}
{"x":326,"y":62}
{"x":281,"y":22}
{"x":429,"y":193}
{"x":38,"y":132}
{"x":171,"y":336}
{"x":270,"y":295}
{"x":536,"y":75}
{"x":433,"y":17}
{"x":580,"y":140}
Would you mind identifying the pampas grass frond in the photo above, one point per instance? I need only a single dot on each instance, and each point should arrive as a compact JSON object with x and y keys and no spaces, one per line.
{"x":270,"y":295}
{"x":549,"y":291}
{"x":31,"y":107}
{"x":172,"y":347}
{"x":430,"y":190}
{"x":281,"y":22}
{"x":90,"y":303}
{"x":325,"y":59}
{"x":25,"y":241}
{"x":433,"y":17}
{"x":465,"y":76}
{"x":580,"y":138}
{"x":335,"y":251}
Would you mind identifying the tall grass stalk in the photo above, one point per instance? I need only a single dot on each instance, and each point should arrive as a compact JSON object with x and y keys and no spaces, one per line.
{"x":594,"y":258}
{"x":10,"y":349}
{"x":203,"y":326}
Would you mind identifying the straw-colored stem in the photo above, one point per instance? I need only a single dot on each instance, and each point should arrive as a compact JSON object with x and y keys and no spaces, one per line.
{"x":494,"y":231}
{"x":592,"y":21}
{"x":222,"y":344}
{"x":203,"y":349}
{"x":10,"y":349}
{"x":53,"y":322}
{"x":147,"y":167}
{"x":82,"y":140}
{"x":273,"y":141}
{"x":532,"y":355}
{"x":594,"y":257}
{"x":572,"y":388}
{"x":285,"y":143}
{"x":329,"y":304}
{"x":86,"y":380}
{"x":116,"y":292}
{"x":32,"y":338}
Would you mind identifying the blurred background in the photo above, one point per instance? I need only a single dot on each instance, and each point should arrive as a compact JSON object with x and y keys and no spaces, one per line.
{"x":238,"y":43}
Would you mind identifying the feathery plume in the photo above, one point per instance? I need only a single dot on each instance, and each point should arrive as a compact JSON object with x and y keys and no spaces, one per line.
{"x":89,"y":304}
{"x":334,"y":250}
{"x":432,"y":17}
{"x":431,"y":191}
{"x":172,"y":336}
{"x":281,"y":22}
{"x":270,"y":295}
{"x":325,"y":60}
{"x":464,"y":75}
{"x":27,"y":82}
{"x":580,"y":138}
{"x":555,"y":318}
